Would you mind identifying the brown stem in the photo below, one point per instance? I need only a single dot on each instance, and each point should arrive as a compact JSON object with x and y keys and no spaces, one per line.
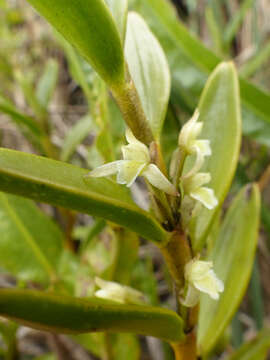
{"x":187,"y":349}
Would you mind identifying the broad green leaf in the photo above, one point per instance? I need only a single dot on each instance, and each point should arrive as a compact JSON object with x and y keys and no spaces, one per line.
{"x":119,"y":10}
{"x":149,"y":70}
{"x":233,"y":257}
{"x":63,"y":314}
{"x":191,"y":62}
{"x":255,"y":349}
{"x":62,"y":184}
{"x":219,"y":109}
{"x":47,"y":83}
{"x":30,"y":243}
{"x":75,"y":136}
{"x":89,"y":26}
{"x":19,"y":118}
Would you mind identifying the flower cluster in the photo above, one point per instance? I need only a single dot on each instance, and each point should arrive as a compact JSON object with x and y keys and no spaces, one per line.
{"x":136,"y":162}
{"x":119,"y":293}
{"x":192,"y":181}
{"x":201,"y":277}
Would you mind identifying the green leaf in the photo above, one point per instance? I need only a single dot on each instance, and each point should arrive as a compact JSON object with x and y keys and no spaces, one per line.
{"x":63,"y":314}
{"x":47,"y":83}
{"x":233,"y":257}
{"x":119,"y":9}
{"x":255,"y":349}
{"x":149,"y":70}
{"x":219,"y":109}
{"x":75,"y":136}
{"x":19,"y":118}
{"x":62,"y":184}
{"x":31,"y":243}
{"x":89,"y":26}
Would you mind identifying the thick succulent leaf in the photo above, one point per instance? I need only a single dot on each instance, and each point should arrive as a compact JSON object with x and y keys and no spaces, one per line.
{"x":149,"y":70}
{"x":30,"y":243}
{"x":47,"y":83}
{"x":89,"y":26}
{"x":219,"y":109}
{"x":58,"y":183}
{"x":233,"y":257}
{"x":255,"y":349}
{"x":63,"y":314}
{"x":119,"y":9}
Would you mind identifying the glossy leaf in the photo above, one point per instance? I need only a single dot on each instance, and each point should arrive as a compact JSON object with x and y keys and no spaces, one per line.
{"x":47,"y":83}
{"x":89,"y":26}
{"x":255,"y":349}
{"x":30,"y":243}
{"x":62,"y":184}
{"x":75,"y":136}
{"x":219,"y":109}
{"x":149,"y":70}
{"x":119,"y":10}
{"x":233,"y":257}
{"x":70,"y":315}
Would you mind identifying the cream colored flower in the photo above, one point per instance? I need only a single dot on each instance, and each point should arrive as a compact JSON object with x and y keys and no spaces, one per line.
{"x":136,"y":163}
{"x":189,"y":143}
{"x":201,"y":278}
{"x":192,"y":186}
{"x":120,"y":293}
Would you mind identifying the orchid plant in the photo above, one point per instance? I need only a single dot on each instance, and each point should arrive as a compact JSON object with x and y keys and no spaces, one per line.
{"x":201,"y":248}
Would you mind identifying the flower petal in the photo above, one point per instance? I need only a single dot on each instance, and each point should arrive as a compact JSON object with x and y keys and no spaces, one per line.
{"x":136,"y":152}
{"x":190,"y":131}
{"x":210,"y":284}
{"x":196,"y":269}
{"x":192,"y":297}
{"x":157,"y":179}
{"x":105,"y":170}
{"x":128,"y":171}
{"x":206,"y":196}
{"x":195,"y":181}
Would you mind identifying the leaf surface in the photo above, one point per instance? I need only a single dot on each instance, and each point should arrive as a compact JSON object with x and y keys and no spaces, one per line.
{"x":149,"y":70}
{"x":89,"y":26}
{"x":65,"y":185}
{"x":233,"y":257}
{"x":30,"y":243}
{"x":64,"y":314}
{"x":219,"y":109}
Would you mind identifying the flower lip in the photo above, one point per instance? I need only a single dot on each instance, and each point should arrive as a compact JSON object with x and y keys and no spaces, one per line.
{"x":201,"y":278}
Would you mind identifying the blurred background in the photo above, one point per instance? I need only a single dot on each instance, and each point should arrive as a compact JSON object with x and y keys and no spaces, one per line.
{"x":42,"y":78}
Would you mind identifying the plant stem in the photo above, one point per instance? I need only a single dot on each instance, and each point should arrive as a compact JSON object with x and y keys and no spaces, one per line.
{"x":187,"y":349}
{"x":130,"y":105}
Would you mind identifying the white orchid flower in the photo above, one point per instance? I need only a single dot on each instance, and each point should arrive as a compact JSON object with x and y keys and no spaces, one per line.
{"x":189,"y":143}
{"x":201,"y":278}
{"x":119,"y":293}
{"x":192,"y":186}
{"x":136,"y":163}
